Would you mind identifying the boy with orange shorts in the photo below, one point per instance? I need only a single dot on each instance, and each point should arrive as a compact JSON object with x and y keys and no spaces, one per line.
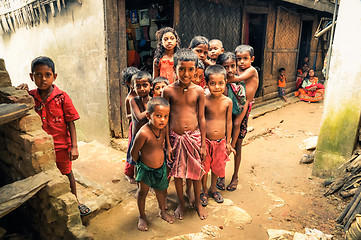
{"x":218,"y":114}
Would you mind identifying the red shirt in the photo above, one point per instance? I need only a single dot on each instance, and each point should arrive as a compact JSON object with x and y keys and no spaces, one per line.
{"x":55,"y":113}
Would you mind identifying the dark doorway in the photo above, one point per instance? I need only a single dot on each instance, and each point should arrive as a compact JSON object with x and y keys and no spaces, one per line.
{"x":255,"y":36}
{"x":306,"y":34}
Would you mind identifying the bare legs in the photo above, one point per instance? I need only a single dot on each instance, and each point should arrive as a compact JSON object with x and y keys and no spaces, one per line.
{"x":179,"y":212}
{"x":142,"y":194}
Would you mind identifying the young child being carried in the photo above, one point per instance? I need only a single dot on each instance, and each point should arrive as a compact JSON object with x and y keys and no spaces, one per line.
{"x":138,"y":106}
{"x":282,"y":84}
{"x":168,"y":43}
{"x":159,"y":83}
{"x":148,"y":153}
{"x":128,"y":73}
{"x":186,"y":131}
{"x":49,"y":99}
{"x":215,"y":49}
{"x":218,"y":114}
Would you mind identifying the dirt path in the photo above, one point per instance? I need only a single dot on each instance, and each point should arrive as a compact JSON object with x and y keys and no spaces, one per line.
{"x":274,"y":189}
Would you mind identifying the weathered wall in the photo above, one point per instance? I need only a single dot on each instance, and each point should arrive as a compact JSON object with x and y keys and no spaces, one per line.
{"x":210,"y":19}
{"x":342,"y":109}
{"x":75,"y":40}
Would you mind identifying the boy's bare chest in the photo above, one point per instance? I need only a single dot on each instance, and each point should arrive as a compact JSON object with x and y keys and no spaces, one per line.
{"x":185,"y":98}
{"x":216,"y":109}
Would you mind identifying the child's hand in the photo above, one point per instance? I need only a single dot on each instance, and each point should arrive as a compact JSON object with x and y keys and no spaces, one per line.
{"x":203,"y":153}
{"x":23,"y":86}
{"x":170,"y":153}
{"x":230,"y":149}
{"x":73,"y":153}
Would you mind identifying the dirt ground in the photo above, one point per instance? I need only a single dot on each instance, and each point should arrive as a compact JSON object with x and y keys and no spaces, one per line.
{"x":274,"y":189}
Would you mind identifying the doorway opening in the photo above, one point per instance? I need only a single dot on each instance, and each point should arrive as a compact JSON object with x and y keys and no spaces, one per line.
{"x":255,"y":36}
{"x":305,"y":41}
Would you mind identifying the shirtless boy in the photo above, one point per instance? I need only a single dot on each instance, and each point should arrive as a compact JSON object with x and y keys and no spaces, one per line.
{"x":128,"y":73}
{"x":138,"y":106}
{"x":186,"y":130}
{"x":215,"y":49}
{"x":218,"y":114}
{"x":148,"y":153}
{"x":248,"y":74}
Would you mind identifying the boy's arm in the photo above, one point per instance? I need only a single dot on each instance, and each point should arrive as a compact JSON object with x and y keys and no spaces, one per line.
{"x":73,"y":153}
{"x":155,"y":70}
{"x":169,"y":149}
{"x":127,"y":108}
{"x":139,"y":116}
{"x":139,"y":141}
{"x":248,"y":73}
{"x":229,"y":128}
{"x":202,"y":124}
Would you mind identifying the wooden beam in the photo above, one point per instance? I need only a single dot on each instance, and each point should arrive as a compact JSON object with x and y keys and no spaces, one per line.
{"x":12,"y":111}
{"x":176,"y":14}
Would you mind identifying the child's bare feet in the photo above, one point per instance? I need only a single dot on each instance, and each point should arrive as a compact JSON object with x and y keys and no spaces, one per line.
{"x":131,"y":180}
{"x":165,"y":216}
{"x":178,"y":213}
{"x":190,"y":196}
{"x":202,"y":213}
{"x":142,"y":224}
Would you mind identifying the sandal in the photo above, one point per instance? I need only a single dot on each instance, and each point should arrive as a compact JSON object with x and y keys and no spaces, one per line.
{"x":232,"y":186}
{"x":204,"y":199}
{"x":84,"y":210}
{"x":217,"y":197}
{"x":221,"y":185}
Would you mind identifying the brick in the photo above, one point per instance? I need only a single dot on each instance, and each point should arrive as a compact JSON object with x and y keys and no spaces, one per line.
{"x":57,"y":187}
{"x":31,"y":122}
{"x":37,"y":161}
{"x":12,"y":134}
{"x":11,"y":95}
{"x":13,"y":148}
{"x":36,"y":141}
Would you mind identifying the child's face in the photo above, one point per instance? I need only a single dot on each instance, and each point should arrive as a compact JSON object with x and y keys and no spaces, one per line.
{"x":311,"y":73}
{"x":215,"y":49}
{"x":159,"y":118}
{"x":185,"y":71}
{"x":283,"y":73}
{"x":43,"y":77}
{"x":158,"y":89}
{"x":202,"y":51}
{"x":216,"y":84}
{"x":231,"y":68}
{"x":244,"y":60}
{"x":142,"y":87}
{"x":169,"y":41}
{"x":198,"y":76}
{"x":305,"y":67}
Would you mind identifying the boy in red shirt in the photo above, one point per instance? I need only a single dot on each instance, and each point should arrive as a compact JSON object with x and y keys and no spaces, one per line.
{"x":282,"y":84}
{"x":57,"y":114}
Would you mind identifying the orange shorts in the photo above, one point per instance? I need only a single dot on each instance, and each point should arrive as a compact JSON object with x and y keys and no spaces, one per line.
{"x":216,"y":157}
{"x":63,"y":162}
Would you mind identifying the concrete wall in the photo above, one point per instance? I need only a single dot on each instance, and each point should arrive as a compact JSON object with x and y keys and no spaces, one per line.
{"x":342,"y":109}
{"x":75,"y":40}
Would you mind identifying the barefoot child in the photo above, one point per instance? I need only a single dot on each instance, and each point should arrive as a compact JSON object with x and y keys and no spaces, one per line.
{"x":218,"y":114}
{"x":138,"y":106}
{"x":215,"y":49}
{"x":186,"y":130}
{"x":49,"y":99}
{"x":158,"y":84}
{"x":148,"y":153}
{"x":168,"y":43}
{"x":249,"y":75}
{"x":282,"y":84}
{"x":128,"y":73}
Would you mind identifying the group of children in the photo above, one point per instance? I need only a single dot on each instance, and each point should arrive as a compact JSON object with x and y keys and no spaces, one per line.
{"x":186,"y":120}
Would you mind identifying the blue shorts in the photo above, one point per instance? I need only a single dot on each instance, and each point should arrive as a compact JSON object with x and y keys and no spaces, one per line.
{"x":281,"y":91}
{"x":129,"y":157}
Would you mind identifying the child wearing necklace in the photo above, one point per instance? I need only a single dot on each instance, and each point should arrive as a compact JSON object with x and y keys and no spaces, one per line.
{"x":148,"y":153}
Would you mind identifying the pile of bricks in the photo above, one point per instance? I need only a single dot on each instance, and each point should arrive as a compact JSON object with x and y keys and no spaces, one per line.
{"x":25,"y":150}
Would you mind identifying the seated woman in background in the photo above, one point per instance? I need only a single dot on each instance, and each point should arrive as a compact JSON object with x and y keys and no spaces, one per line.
{"x":311,"y":90}
{"x":301,"y":74}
